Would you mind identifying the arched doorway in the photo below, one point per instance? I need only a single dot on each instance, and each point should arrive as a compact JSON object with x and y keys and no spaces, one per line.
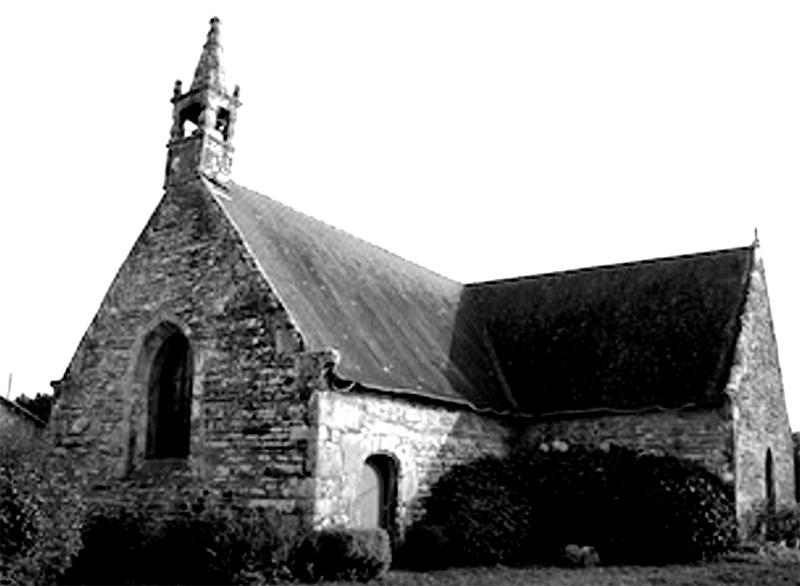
{"x":169,"y":391}
{"x":376,"y":497}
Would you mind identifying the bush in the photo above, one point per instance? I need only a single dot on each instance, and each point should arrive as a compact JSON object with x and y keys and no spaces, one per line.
{"x":425,"y":547}
{"x":479,"y":510}
{"x":787,"y":525}
{"x":41,"y":512}
{"x":632,"y":508}
{"x":220,"y":544}
{"x":781,"y":526}
{"x":343,"y":554}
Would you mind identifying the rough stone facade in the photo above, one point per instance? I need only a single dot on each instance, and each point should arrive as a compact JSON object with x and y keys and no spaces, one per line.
{"x":761,"y":423}
{"x":250,"y":378}
{"x":735,"y":440}
{"x":199,"y":329}
{"x":700,"y":435}
{"x":424,"y":440}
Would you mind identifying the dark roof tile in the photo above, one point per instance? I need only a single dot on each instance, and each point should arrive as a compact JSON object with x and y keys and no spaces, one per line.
{"x":629,"y":336}
{"x":657,"y":332}
{"x":391,"y":320}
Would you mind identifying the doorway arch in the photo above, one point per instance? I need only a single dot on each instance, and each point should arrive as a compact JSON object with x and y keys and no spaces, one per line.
{"x":169,"y":372}
{"x":376,"y":495}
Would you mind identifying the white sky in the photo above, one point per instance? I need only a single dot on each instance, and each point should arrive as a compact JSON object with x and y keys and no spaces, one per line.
{"x":482,"y":140}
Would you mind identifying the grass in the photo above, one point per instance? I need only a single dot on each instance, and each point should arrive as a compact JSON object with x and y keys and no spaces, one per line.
{"x":737,"y":569}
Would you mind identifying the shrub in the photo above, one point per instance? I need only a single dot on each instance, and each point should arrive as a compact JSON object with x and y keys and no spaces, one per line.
{"x":219,"y":544}
{"x":114,"y":539}
{"x":787,"y":525}
{"x":343,"y":554}
{"x":425,"y":547}
{"x":781,"y":526}
{"x":41,"y":512}
{"x":479,"y":511}
{"x":632,"y":508}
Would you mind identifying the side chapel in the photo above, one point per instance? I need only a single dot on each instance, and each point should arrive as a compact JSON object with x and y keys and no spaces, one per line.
{"x":249,"y":351}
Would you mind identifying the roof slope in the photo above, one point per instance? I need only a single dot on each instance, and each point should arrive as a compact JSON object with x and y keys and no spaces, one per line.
{"x":390,"y":320}
{"x":658,"y":332}
{"x":21,"y":411}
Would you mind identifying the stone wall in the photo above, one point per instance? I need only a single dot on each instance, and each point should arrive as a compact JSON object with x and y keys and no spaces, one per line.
{"x":424,"y":440}
{"x":761,"y":422}
{"x":703,"y":436}
{"x":251,"y":377}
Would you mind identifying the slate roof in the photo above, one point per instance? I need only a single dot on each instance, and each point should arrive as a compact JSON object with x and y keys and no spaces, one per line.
{"x":390,"y":320}
{"x":630,"y":336}
{"x":659,"y":332}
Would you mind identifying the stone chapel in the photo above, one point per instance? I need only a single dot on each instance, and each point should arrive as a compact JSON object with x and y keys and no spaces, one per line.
{"x":249,"y":351}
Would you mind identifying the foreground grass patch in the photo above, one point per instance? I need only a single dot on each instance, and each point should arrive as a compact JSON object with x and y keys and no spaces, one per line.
{"x":745,"y":570}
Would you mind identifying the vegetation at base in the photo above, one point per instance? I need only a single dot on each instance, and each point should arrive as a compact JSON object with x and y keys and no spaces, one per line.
{"x":41,"y":514}
{"x":750,"y":570}
{"x":218,"y":543}
{"x":197,"y":544}
{"x":425,"y":547}
{"x":343,"y":554}
{"x":781,"y":526}
{"x":633,"y":508}
{"x":786,"y":526}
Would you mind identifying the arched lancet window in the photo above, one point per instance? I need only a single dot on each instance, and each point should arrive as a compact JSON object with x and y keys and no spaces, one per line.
{"x":769,"y":483}
{"x":376,"y":498}
{"x":169,"y":391}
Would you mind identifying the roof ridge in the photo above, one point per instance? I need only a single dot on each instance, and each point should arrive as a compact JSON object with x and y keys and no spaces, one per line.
{"x":609,"y":266}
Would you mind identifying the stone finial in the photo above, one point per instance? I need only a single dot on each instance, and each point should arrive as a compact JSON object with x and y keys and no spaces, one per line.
{"x":756,"y":246}
{"x":209,"y":72}
{"x":177,"y":90}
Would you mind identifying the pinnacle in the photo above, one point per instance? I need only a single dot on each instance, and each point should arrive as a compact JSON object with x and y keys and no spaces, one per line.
{"x":209,"y":72}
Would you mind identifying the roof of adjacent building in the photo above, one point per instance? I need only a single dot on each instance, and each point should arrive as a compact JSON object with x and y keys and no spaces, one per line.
{"x":21,"y":411}
{"x":628,"y":336}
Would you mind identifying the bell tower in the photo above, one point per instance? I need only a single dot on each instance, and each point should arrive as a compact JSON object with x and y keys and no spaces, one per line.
{"x":203,"y":120}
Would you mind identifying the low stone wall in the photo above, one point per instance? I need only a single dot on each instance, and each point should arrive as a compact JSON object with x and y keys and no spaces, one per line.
{"x":703,"y":436}
{"x":424,"y":440}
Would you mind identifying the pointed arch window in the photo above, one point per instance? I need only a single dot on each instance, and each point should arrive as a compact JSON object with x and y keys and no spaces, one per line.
{"x":169,"y":391}
{"x":769,"y":483}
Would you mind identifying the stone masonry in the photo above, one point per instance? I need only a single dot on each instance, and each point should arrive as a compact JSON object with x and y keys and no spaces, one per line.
{"x":425,"y":440}
{"x":761,"y":422}
{"x":704,"y":436}
{"x":251,"y":380}
{"x":193,"y":332}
